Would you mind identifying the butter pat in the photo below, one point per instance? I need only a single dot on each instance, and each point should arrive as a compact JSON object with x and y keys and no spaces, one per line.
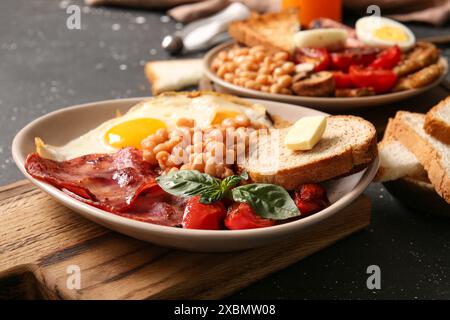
{"x":305,"y":133}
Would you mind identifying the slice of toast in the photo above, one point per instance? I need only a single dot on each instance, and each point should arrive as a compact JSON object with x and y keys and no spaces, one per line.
{"x":348,"y":145}
{"x":437,"y":121}
{"x":431,"y":153}
{"x":172,"y":75}
{"x":272,"y":30}
{"x":396,"y":161}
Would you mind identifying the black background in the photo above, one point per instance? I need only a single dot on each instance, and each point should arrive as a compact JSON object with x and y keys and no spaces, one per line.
{"x":44,"y":67}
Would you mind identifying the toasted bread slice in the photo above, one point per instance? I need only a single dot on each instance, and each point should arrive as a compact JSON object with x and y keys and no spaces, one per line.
{"x":421,"y":56}
{"x":431,"y":153}
{"x":172,"y":75}
{"x":396,"y":161}
{"x":272,"y":30}
{"x":437,"y":121}
{"x":347,"y":145}
{"x":420,"y":78}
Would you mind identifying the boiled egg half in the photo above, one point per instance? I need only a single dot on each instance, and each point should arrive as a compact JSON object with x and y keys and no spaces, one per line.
{"x":383,"y":32}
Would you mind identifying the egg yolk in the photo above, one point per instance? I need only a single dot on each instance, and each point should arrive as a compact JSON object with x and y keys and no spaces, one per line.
{"x":224,"y":114}
{"x":130,"y":133}
{"x":390,"y":33}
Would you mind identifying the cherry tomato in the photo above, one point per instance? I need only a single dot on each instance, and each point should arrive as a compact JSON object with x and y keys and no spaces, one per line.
{"x":310,"y":198}
{"x":379,"y":79}
{"x":343,"y":60}
{"x":241,"y":216}
{"x":342,"y":80}
{"x":387,"y":59}
{"x":203,"y":216}
{"x":317,"y":56}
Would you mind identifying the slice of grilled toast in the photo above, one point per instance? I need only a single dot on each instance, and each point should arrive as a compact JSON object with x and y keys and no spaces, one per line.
{"x":170,"y":75}
{"x":348,"y":145}
{"x":272,"y":30}
{"x":433,"y":154}
{"x":437,"y":121}
{"x":396,"y":161}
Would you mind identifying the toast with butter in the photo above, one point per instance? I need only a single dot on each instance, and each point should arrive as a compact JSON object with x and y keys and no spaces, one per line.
{"x":348,"y":145}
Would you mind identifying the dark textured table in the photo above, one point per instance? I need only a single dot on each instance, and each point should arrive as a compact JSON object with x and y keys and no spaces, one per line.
{"x":44,"y":66}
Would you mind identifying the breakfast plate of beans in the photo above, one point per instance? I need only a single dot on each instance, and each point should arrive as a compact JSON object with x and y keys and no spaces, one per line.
{"x":257,"y":72}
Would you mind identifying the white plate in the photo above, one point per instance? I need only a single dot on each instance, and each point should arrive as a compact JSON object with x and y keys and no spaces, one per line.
{"x":327,"y":104}
{"x":63,"y":125}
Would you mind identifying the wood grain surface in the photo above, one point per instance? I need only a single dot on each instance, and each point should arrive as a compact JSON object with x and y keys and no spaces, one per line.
{"x":40,"y":239}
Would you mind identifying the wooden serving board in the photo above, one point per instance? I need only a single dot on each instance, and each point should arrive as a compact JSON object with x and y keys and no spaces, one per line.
{"x":40,"y":239}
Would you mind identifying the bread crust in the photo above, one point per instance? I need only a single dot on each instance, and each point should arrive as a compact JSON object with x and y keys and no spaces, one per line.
{"x":425,"y":153}
{"x":246,"y":32}
{"x":349,"y":161}
{"x":152,"y":77}
{"x":437,"y":127}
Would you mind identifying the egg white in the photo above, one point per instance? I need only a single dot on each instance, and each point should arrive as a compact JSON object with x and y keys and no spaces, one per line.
{"x":328,"y":38}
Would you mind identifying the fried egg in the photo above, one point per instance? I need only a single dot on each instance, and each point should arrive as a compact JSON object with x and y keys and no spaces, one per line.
{"x":148,"y":117}
{"x":383,"y":32}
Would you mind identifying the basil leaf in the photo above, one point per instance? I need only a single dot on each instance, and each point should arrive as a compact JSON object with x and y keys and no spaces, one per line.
{"x":211,"y":195}
{"x":268,"y":200}
{"x":188,"y":183}
{"x":230,"y":182}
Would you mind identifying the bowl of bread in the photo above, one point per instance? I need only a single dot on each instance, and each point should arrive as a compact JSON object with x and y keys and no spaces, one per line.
{"x":327,"y":65}
{"x":415,"y":159}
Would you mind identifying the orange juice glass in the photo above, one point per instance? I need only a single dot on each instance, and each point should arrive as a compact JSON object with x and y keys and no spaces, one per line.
{"x":313,"y":9}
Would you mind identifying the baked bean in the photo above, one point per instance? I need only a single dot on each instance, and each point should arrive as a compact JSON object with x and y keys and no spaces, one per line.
{"x":185,"y":122}
{"x":228,"y":122}
{"x":242,"y":120}
{"x":286,"y":91}
{"x":186,"y":166}
{"x":163,"y":134}
{"x":247,"y":65}
{"x":148,"y":143}
{"x":242,"y":51}
{"x":258,"y":56}
{"x":216,"y":64}
{"x":275,"y":88}
{"x":264,"y":71}
{"x":198,"y":163}
{"x":262,"y":79}
{"x":149,"y":156}
{"x":221,"y":71}
{"x":257,"y":49}
{"x":284,"y":81}
{"x":247,"y":75}
{"x":250,"y":84}
{"x":223,"y":55}
{"x":278,"y":72}
{"x":288,"y":67}
{"x":228,"y":77}
{"x":281,"y":56}
{"x":265,"y":88}
{"x":210,"y":167}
